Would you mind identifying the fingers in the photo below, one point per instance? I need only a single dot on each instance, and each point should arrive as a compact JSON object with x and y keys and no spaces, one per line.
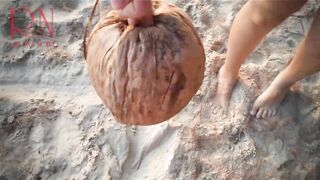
{"x":143,"y":7}
{"x":137,"y":11}
{"x":119,"y":4}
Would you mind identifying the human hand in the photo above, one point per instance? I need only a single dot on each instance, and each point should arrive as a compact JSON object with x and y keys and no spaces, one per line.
{"x":138,"y":12}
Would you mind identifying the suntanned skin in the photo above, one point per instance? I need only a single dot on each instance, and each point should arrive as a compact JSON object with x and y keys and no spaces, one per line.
{"x":138,"y":12}
{"x":254,"y":21}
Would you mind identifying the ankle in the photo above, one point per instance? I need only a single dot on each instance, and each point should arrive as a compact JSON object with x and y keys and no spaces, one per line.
{"x":229,"y":71}
{"x":282,"y":85}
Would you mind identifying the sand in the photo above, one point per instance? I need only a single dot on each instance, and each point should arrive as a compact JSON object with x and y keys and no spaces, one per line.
{"x":54,"y":126}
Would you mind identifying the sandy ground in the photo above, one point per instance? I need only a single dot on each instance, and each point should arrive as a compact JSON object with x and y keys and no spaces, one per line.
{"x":54,"y":126}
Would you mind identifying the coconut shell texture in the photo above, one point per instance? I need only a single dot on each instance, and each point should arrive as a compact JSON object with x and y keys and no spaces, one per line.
{"x":146,"y":75}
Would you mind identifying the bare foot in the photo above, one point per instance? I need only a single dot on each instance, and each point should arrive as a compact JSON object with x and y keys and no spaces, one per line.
{"x":268,"y":102}
{"x":226,"y":82}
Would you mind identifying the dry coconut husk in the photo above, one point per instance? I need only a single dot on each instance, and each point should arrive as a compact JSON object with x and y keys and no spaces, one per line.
{"x":145,"y":75}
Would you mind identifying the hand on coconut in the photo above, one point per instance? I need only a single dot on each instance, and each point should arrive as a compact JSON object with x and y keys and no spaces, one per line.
{"x":138,"y":12}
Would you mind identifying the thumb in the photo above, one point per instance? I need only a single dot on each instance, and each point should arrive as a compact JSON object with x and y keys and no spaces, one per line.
{"x":119,"y":4}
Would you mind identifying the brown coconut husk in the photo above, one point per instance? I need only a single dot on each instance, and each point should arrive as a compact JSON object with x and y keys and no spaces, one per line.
{"x":145,"y":75}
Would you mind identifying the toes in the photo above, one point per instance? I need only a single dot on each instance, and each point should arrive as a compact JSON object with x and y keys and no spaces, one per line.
{"x":270,"y":113}
{"x":274,"y":112}
{"x":259,"y":113}
{"x":254,"y":110}
{"x":265,"y":114}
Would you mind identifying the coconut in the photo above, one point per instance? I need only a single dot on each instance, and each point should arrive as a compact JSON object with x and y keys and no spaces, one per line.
{"x":145,"y":75}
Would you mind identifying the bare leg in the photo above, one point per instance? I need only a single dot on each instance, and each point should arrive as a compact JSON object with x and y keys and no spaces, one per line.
{"x":256,"y":19}
{"x":305,"y":62}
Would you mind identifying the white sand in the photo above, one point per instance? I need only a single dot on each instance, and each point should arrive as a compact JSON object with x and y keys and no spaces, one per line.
{"x":54,"y":126}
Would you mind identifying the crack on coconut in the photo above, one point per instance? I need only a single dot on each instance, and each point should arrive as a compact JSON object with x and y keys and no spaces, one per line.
{"x":162,"y":48}
{"x":126,"y":65}
{"x":103,"y":64}
{"x":168,"y":88}
{"x":154,"y":44}
{"x":174,"y":88}
{"x":114,"y":90}
{"x":178,"y":86}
